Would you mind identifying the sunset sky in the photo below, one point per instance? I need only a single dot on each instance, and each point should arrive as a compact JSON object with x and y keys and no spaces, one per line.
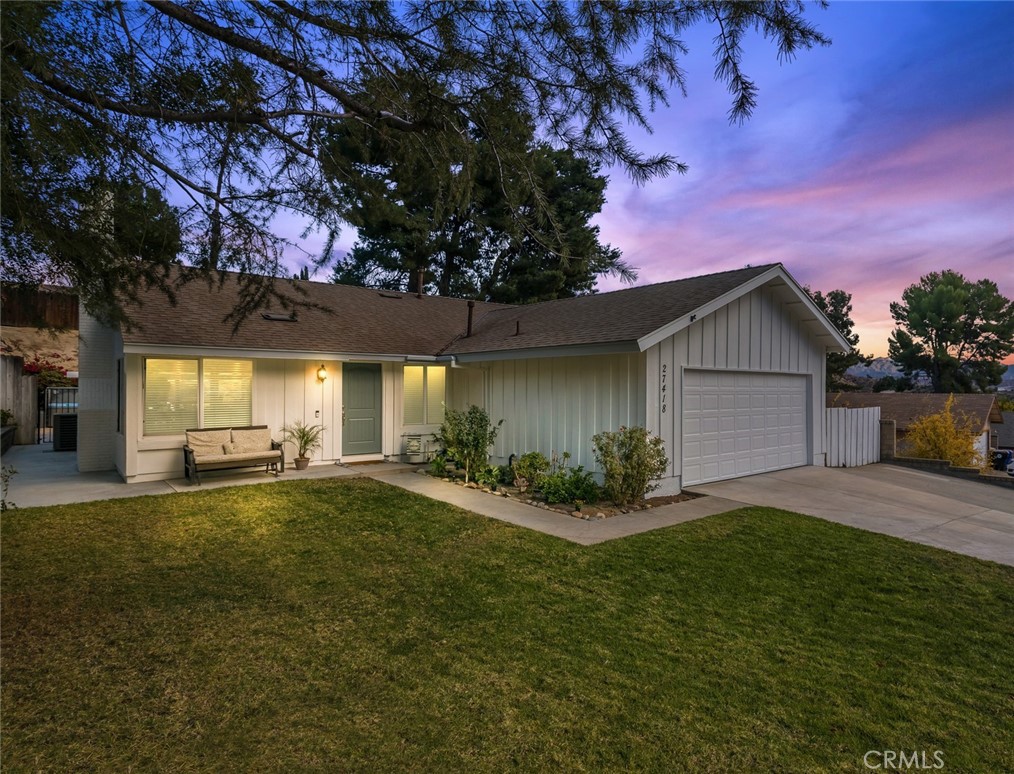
{"x":868,"y":163}
{"x":885,"y":156}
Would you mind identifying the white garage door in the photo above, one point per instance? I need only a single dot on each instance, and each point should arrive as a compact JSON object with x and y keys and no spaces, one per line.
{"x":737,"y":423}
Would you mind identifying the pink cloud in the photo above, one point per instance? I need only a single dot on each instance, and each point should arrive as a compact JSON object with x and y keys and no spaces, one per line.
{"x":871,"y":223}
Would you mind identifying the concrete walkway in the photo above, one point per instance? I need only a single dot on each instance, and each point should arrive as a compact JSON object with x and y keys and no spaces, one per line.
{"x":962,"y":516}
{"x":553,"y":523}
{"x":46,"y":477}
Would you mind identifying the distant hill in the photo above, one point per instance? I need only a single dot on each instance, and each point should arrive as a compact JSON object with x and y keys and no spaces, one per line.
{"x":1007,"y":385}
{"x":880,"y":367}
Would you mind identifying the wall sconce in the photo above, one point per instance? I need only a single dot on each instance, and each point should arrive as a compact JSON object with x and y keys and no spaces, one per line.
{"x":321,"y":373}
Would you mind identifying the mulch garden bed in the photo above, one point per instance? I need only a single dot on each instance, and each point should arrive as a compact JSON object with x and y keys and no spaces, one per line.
{"x":603,"y":509}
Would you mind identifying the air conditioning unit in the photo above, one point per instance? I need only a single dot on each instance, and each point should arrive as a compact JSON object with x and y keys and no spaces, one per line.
{"x":64,"y":432}
{"x":414,"y":450}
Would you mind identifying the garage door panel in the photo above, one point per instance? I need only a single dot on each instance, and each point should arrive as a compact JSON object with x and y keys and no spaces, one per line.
{"x":741,"y":423}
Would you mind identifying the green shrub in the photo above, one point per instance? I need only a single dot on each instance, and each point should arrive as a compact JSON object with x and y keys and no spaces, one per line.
{"x":528,"y":468}
{"x":563,"y":485}
{"x":438,"y":465}
{"x":488,"y":476}
{"x":630,"y":461}
{"x":7,"y":472}
{"x":467,"y":436}
{"x":942,"y":436}
{"x":569,"y":486}
{"x":6,"y":417}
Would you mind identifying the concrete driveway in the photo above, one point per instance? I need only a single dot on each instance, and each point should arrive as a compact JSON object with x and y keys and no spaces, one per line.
{"x":962,"y":516}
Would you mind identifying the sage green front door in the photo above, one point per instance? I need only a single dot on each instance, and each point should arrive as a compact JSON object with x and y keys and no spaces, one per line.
{"x":361,"y":402}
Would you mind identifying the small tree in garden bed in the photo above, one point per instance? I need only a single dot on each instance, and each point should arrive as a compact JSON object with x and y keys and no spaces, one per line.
{"x":630,"y":461}
{"x":467,"y":436}
{"x":943,"y":436}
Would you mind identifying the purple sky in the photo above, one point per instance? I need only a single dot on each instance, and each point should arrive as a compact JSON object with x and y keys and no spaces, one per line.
{"x":867,"y":164}
{"x":885,"y":156}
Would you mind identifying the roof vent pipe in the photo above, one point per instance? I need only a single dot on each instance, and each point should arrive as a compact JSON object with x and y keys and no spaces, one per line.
{"x":471,"y":308}
{"x":517,"y":328}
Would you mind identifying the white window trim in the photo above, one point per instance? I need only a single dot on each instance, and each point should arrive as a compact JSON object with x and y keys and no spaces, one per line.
{"x":425,"y":394}
{"x":155,"y":439}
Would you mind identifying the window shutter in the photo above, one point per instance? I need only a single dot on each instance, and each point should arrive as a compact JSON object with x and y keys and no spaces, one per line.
{"x":170,"y":396}
{"x":228,"y":393}
{"x":414,"y":406}
{"x":435,"y":396}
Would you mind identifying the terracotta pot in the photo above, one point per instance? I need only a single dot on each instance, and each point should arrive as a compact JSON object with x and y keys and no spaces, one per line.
{"x":301,"y":462}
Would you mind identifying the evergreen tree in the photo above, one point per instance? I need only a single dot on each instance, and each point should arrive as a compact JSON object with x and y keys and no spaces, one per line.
{"x":837,"y":307}
{"x":234,"y":104}
{"x":955,"y":331}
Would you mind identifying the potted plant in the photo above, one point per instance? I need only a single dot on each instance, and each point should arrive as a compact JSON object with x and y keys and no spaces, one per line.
{"x":306,"y":439}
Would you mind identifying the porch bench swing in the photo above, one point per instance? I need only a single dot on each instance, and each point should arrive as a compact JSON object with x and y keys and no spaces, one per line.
{"x":231,"y":447}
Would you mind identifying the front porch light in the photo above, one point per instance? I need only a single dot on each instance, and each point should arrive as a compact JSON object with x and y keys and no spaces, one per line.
{"x":321,"y":373}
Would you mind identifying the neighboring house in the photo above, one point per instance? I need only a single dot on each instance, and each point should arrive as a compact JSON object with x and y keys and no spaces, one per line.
{"x":728,"y":369}
{"x":906,"y":407}
{"x":1004,"y":431}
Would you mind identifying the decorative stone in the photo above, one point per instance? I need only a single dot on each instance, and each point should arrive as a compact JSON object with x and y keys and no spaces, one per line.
{"x":600,"y":515}
{"x":445,"y":479}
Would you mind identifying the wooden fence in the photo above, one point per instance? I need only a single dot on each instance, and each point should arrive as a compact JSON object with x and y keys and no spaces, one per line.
{"x":20,"y":396}
{"x":853,"y":436}
{"x":45,"y":307}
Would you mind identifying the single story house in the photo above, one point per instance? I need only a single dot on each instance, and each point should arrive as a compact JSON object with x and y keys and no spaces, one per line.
{"x":727,"y":368}
{"x":906,"y":407}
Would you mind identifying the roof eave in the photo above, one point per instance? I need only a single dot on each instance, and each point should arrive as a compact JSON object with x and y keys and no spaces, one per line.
{"x":187,"y":350}
{"x":568,"y":350}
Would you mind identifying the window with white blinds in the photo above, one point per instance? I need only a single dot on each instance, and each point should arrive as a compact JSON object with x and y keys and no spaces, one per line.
{"x":415,"y":392}
{"x":424,"y":395}
{"x":183,"y":394}
{"x":170,"y":396}
{"x":228,"y":393}
{"x":435,"y":394}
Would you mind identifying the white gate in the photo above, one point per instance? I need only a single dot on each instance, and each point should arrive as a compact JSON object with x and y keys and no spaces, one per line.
{"x":853,"y":436}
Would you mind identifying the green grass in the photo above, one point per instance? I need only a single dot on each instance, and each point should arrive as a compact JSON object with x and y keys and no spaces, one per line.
{"x":348,"y":625}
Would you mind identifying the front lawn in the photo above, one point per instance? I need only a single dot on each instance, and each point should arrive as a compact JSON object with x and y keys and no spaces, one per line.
{"x":350,"y":625}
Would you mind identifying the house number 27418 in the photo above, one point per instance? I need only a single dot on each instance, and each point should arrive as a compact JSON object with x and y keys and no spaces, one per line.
{"x":664,"y":375}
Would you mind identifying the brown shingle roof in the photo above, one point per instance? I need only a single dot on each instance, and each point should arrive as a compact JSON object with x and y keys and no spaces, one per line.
{"x":905,"y":407}
{"x":362,"y":320}
{"x":368,"y":321}
{"x":603,"y":318}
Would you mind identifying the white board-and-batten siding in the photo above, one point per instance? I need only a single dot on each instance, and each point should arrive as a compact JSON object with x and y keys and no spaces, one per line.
{"x":555,"y":404}
{"x":761,"y":331}
{"x":284,"y":391}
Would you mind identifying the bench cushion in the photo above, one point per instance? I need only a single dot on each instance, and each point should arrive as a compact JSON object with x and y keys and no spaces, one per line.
{"x":205,"y":442}
{"x":244,"y":441}
{"x":251,"y":457}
